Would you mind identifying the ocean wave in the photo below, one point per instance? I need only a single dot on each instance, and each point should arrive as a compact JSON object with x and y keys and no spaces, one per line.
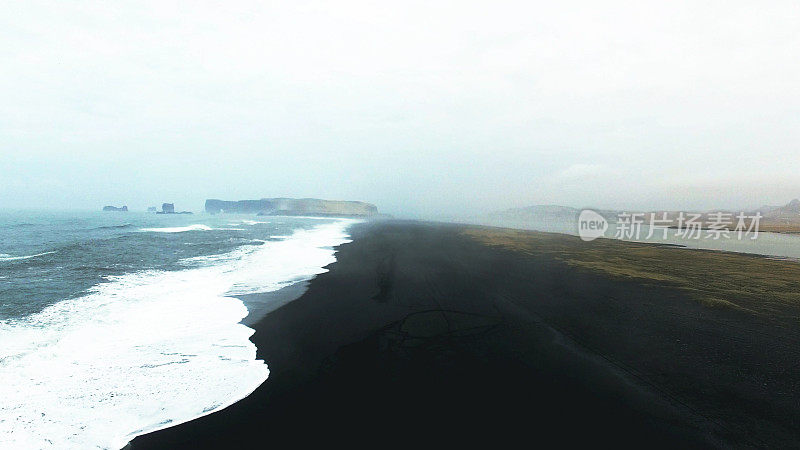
{"x":7,"y":257}
{"x":112,"y":227}
{"x":236,"y":240}
{"x":247,"y":222}
{"x":20,"y":225}
{"x":195,"y":227}
{"x":299,"y":257}
{"x":146,"y":350}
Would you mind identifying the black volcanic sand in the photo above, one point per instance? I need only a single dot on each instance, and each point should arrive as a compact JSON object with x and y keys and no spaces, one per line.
{"x":421,"y":336}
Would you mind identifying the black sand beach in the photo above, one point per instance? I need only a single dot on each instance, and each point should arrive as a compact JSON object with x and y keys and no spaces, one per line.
{"x":421,"y":335}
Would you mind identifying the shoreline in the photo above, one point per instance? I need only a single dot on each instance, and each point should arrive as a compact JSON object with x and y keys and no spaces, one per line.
{"x":419,"y":330}
{"x":258,"y":306}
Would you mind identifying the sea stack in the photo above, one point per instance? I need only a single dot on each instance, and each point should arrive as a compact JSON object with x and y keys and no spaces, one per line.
{"x":169,"y":208}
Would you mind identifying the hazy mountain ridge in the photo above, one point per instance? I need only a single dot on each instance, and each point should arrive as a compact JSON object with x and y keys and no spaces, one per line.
{"x":787,"y":211}
{"x":545,"y":212}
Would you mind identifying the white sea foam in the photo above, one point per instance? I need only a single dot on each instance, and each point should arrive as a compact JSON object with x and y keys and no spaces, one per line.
{"x":7,"y":257}
{"x":145,"y":351}
{"x":277,"y":265}
{"x":195,"y":227}
{"x":247,"y":222}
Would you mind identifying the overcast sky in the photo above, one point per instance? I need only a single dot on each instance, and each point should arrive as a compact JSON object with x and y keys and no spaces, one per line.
{"x":424,"y":108}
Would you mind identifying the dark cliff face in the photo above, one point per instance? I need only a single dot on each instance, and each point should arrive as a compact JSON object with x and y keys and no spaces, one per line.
{"x":114,"y":208}
{"x":293,"y":207}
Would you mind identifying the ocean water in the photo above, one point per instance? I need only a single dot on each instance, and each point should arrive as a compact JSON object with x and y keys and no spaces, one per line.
{"x":116,"y":324}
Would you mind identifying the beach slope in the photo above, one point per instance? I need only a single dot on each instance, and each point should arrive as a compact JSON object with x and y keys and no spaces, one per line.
{"x":432,"y":333}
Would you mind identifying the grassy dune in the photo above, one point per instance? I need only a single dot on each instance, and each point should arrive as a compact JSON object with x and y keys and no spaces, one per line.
{"x":778,"y":227}
{"x":752,"y":283}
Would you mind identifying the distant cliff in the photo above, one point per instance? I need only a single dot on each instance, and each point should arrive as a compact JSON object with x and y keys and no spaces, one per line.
{"x":114,"y":208}
{"x":293,"y":207}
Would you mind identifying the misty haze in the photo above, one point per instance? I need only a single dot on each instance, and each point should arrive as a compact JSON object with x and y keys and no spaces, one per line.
{"x":252,"y":224}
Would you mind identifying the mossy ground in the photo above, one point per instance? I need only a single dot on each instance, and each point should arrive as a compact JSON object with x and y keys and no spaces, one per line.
{"x":753,"y":283}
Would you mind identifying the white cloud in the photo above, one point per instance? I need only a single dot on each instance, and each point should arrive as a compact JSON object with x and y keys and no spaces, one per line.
{"x":474,"y":101}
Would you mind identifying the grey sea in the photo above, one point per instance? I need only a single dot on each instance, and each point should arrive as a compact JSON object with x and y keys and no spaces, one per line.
{"x":133,"y":317}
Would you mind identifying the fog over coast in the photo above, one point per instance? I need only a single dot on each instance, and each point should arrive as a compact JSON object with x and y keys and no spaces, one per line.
{"x":426,"y":110}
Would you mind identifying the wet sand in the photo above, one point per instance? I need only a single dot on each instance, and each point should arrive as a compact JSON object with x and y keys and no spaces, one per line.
{"x":421,"y":335}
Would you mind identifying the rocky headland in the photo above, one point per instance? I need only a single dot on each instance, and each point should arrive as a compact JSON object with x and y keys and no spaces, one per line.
{"x":123,"y":208}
